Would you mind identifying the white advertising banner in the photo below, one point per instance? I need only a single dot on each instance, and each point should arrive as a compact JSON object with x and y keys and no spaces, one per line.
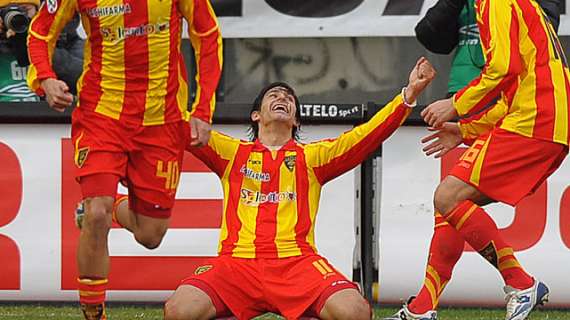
{"x":38,"y":237}
{"x":325,"y":18}
{"x":538,"y":230}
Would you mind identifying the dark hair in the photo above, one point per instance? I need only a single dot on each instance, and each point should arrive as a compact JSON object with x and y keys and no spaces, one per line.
{"x":256,"y":106}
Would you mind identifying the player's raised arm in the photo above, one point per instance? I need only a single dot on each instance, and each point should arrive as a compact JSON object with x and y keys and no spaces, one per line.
{"x":331,"y":158}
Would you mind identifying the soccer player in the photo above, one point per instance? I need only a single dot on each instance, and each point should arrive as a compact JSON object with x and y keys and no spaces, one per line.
{"x":132,"y":119}
{"x":515,"y":145}
{"x":267,"y":258}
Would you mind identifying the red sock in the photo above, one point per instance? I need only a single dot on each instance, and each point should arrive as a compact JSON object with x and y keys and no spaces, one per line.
{"x":445,"y":250}
{"x":91,"y":290}
{"x":481,"y":232}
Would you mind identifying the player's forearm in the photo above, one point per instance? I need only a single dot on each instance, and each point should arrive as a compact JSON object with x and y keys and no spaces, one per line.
{"x":40,"y":66}
{"x":209,"y":64}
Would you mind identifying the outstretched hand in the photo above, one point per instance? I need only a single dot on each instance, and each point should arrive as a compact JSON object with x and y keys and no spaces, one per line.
{"x":443,"y":140}
{"x":420,"y":77}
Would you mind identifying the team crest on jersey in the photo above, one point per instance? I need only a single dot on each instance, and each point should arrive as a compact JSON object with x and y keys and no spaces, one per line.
{"x":290,"y":162}
{"x":202,"y":269}
{"x":51,"y":6}
{"x":81,"y":156}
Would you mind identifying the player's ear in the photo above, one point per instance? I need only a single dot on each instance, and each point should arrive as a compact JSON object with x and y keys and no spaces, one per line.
{"x":255,"y":116}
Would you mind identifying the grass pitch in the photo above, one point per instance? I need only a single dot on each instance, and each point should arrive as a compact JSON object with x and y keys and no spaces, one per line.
{"x":29,"y":311}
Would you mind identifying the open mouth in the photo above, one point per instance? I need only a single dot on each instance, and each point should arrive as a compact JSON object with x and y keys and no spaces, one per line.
{"x":278,"y":107}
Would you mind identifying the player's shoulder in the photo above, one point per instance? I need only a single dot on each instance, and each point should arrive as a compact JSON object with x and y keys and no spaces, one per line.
{"x":225,"y":138}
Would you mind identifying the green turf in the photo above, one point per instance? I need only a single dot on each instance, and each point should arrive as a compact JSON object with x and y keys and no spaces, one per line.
{"x":134,"y":312}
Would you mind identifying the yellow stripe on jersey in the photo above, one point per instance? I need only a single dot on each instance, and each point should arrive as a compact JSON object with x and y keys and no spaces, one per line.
{"x":86,"y":53}
{"x":112,"y":74}
{"x":248,"y":208}
{"x":285,"y":236}
{"x":182,"y":94}
{"x":158,"y":49}
{"x":314,"y":199}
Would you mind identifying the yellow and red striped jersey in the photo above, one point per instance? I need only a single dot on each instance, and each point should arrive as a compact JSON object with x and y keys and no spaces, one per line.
{"x":133,"y":67}
{"x":525,"y":67}
{"x":271,"y":198}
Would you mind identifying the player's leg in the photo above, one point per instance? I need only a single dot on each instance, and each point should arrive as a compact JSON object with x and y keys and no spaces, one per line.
{"x":93,"y":256}
{"x":445,"y":250}
{"x":498,"y":168}
{"x":153,"y":175}
{"x":100,"y":163}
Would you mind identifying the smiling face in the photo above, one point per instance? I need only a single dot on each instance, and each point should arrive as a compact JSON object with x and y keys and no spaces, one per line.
{"x":278,"y":105}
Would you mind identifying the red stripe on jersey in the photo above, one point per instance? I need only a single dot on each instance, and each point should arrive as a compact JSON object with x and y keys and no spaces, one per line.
{"x":136,"y":64}
{"x":544,"y":88}
{"x":38,"y":49}
{"x":303,"y":226}
{"x":236,"y":180}
{"x":266,"y":222}
{"x":172,"y":112}
{"x":91,"y":91}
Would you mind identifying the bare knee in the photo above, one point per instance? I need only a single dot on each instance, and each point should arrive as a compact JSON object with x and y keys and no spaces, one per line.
{"x":444,"y":198}
{"x":98,"y":215}
{"x":346,"y":305}
{"x":452,"y":191}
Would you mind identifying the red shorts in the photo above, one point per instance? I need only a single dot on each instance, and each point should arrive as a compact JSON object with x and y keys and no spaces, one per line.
{"x":147,"y":159}
{"x":293,"y":287}
{"x":506,"y":166}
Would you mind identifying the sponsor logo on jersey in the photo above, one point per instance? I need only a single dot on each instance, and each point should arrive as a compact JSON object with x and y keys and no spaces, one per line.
{"x":122,"y":33}
{"x":254,"y":198}
{"x":116,"y":10}
{"x":254,"y":175}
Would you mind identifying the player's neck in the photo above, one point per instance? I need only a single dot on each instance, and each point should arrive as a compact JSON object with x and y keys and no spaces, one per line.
{"x":274,"y":136}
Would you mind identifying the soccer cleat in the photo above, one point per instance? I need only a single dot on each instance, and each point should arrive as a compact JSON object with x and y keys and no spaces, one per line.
{"x":406,"y":314}
{"x":79,"y":214}
{"x":520,"y":303}
{"x":94,"y":311}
